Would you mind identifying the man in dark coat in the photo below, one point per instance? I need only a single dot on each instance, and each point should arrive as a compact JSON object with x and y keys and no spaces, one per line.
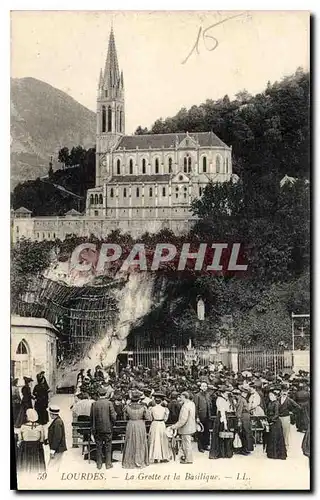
{"x":203,"y":404}
{"x":103,"y":416}
{"x":174,"y":408}
{"x":56,"y":438}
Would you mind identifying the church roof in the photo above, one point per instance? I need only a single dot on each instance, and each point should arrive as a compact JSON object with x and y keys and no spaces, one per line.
{"x":130,"y":179}
{"x":167,"y":141}
{"x":72,"y":212}
{"x":23,"y":210}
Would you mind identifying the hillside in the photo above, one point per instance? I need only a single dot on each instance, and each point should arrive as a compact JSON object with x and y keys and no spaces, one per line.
{"x":43,"y":120}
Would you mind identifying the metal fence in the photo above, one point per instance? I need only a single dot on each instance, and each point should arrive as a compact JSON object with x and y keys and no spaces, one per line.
{"x":258,"y":360}
{"x":253,"y":359}
{"x":168,"y":357}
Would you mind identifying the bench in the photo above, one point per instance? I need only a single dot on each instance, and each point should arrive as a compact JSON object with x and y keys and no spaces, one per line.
{"x":82,"y":430}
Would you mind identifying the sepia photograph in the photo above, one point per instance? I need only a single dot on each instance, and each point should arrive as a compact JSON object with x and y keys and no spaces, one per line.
{"x":160,"y":229}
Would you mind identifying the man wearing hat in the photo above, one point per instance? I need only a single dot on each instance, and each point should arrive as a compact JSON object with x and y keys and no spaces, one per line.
{"x":186,"y":426}
{"x":203,"y":404}
{"x":56,"y":438}
{"x":102,"y":417}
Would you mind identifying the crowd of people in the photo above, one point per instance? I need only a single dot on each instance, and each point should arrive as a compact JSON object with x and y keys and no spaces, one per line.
{"x":223,"y":411}
{"x":193,"y":402}
{"x":31,"y":413}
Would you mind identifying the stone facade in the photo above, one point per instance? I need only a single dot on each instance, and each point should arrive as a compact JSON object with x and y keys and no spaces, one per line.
{"x":33,"y":348}
{"x":143,"y":182}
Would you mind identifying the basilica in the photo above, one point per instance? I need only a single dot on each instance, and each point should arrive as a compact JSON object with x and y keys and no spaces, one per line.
{"x":143,"y":182}
{"x":147,"y":176}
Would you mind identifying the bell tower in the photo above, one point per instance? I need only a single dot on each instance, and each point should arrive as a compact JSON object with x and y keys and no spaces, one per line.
{"x":110,"y":111}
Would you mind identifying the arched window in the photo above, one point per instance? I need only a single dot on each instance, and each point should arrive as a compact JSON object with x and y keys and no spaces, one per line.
{"x":157,"y":165}
{"x":150,"y":192}
{"x":218,"y":164}
{"x":104,"y":119}
{"x":227,"y":165}
{"x":121,"y":120}
{"x":185,"y":164}
{"x":111,"y":193}
{"x":204,"y":164}
{"x":143,"y":166}
{"x":131,"y":167}
{"x":118,"y":167}
{"x":124,"y":192}
{"x":91,"y":199}
{"x":170,"y":165}
{"x":189,"y":164}
{"x":200,"y":190}
{"x":100,"y":199}
{"x":96,"y":199}
{"x":109,"y":119}
{"x":22,"y":348}
{"x":163,"y":191}
{"x":138,"y":192}
{"x":177,"y":191}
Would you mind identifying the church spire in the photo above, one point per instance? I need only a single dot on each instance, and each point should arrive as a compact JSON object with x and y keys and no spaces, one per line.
{"x":111,"y":70}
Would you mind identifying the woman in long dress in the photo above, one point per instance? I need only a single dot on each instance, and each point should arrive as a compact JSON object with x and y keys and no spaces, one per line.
{"x":26,"y":402}
{"x":275,"y":444}
{"x":135,"y":450}
{"x":244,"y":424}
{"x":221,"y":444}
{"x":158,"y":440}
{"x":30,"y":445}
{"x":40,"y":392}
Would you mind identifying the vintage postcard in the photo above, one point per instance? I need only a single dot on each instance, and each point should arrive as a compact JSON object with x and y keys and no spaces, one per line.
{"x":160,"y":250}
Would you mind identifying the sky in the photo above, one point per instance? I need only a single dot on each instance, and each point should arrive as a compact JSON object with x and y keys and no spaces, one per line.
{"x":67,"y":49}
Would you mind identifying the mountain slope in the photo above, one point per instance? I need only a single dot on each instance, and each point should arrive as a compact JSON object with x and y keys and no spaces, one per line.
{"x":43,"y":120}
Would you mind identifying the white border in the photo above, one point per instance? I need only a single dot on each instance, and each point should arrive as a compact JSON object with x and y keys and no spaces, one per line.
{"x":313,"y":6}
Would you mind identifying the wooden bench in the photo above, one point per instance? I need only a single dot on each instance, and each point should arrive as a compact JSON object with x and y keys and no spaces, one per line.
{"x":82,"y":432}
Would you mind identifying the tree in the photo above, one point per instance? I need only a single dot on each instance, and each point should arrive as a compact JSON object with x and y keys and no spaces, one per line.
{"x":63,"y":156}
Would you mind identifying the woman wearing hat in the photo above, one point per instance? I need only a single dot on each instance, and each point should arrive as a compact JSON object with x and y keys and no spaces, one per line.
{"x":26,"y":401}
{"x":158,"y":440}
{"x":275,"y":444}
{"x":30,"y":445}
{"x":222,"y":436}
{"x":135,"y":450}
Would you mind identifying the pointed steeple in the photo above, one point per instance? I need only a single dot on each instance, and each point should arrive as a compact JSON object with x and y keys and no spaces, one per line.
{"x":111,"y":70}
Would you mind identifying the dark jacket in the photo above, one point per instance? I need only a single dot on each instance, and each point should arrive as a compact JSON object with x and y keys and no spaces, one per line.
{"x":102,"y":416}
{"x":56,"y":436}
{"x":203,"y":404}
{"x":174,"y":411}
{"x":287,"y":406}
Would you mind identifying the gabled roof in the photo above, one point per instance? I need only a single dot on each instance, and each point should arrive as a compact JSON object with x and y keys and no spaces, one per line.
{"x":167,"y":141}
{"x":23,"y":210}
{"x":72,"y":212}
{"x":131,"y":179}
{"x":181,"y":177}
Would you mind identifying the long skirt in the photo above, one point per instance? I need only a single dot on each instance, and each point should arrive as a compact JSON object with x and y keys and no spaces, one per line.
{"x":31,"y":457}
{"x":275,"y":446}
{"x":16,"y":413}
{"x":158,"y":442}
{"x":221,"y":447}
{"x":302,"y":419}
{"x":306,"y":443}
{"x":41,"y":409}
{"x":135,"y":450}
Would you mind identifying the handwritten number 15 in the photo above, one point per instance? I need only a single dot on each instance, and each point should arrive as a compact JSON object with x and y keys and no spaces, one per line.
{"x":210,"y":42}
